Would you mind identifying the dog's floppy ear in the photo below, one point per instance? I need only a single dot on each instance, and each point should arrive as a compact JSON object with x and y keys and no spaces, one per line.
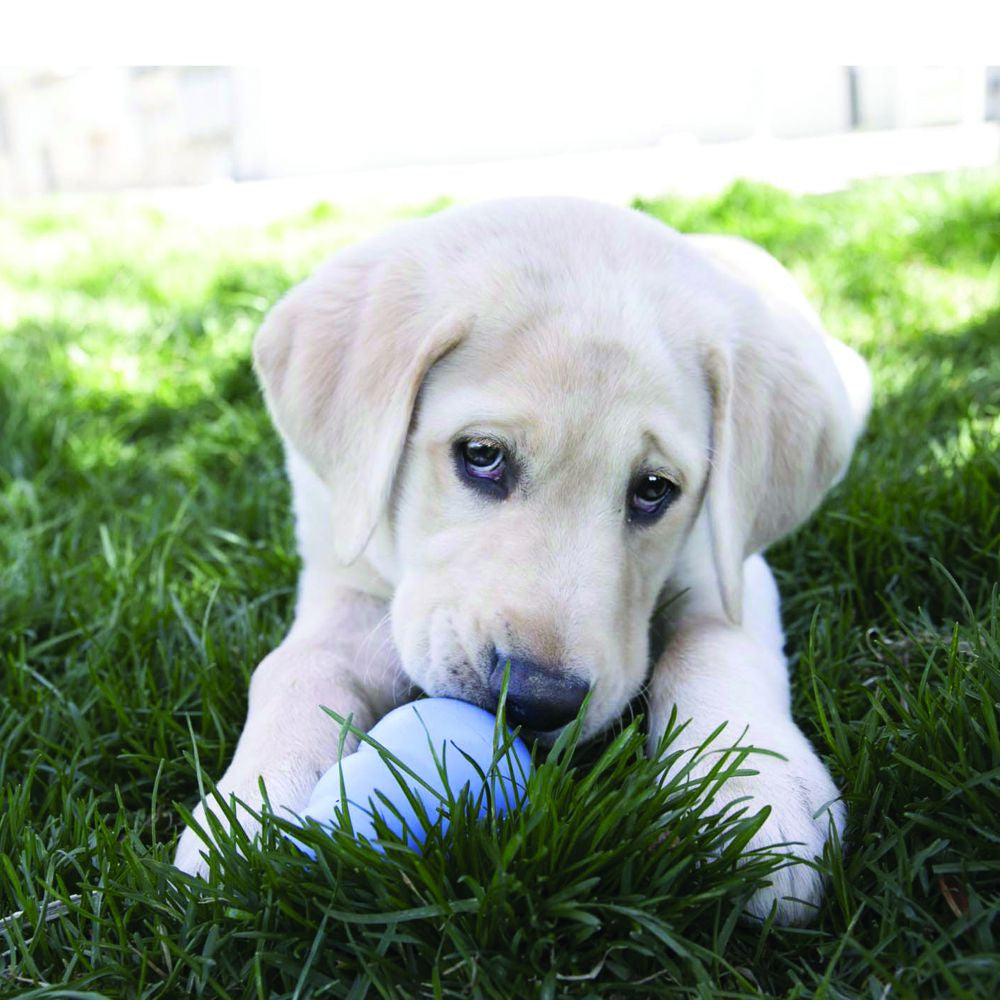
{"x":783,"y":423}
{"x":341,"y":359}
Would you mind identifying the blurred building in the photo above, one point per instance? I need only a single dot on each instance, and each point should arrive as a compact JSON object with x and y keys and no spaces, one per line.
{"x":103,"y":129}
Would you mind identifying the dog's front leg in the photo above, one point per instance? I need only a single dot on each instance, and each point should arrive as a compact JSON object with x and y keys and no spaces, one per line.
{"x":347,"y":664}
{"x":715,"y":673}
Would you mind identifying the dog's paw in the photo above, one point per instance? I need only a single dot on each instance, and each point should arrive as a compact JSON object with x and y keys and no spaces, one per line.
{"x":191,"y":851}
{"x":289,"y":782}
{"x":192,"y":848}
{"x":805,"y":810}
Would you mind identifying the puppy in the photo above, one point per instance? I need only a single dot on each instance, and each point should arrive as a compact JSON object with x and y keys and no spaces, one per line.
{"x":514,"y":431}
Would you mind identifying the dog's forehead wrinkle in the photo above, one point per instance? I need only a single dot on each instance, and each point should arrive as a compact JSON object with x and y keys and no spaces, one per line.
{"x":534,"y":379}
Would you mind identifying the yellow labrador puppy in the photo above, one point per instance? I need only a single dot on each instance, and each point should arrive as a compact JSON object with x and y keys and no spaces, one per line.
{"x":515,"y":430}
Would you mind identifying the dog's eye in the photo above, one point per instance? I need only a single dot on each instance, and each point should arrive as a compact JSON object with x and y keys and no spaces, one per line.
{"x":650,"y":496}
{"x":483,"y":464}
{"x":482,"y":458}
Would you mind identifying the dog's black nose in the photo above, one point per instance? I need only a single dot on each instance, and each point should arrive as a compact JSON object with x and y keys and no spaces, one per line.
{"x":538,"y":698}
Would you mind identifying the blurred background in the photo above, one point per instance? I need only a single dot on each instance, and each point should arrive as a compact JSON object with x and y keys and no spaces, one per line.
{"x":280,"y":138}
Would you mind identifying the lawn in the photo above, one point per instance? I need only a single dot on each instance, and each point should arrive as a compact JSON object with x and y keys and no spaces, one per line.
{"x":147,"y":564}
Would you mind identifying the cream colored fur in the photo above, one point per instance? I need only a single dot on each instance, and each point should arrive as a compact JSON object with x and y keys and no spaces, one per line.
{"x":593,"y":340}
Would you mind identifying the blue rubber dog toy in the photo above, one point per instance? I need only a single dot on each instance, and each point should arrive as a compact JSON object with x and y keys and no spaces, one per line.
{"x":428,"y":737}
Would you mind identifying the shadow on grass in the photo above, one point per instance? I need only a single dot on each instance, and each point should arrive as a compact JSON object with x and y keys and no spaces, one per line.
{"x":923,"y":488}
{"x":970,"y":230}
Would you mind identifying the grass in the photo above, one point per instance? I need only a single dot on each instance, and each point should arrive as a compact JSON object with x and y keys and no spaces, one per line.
{"x":147,"y":564}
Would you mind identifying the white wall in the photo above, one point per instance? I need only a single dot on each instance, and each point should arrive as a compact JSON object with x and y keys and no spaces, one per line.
{"x":113,"y":128}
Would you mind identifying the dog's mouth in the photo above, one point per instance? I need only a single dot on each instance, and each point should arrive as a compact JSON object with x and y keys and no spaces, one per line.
{"x":540,"y":697}
{"x":543,"y":739}
{"x":482,"y":699}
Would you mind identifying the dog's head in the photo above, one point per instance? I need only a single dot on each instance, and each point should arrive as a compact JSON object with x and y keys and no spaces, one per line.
{"x":556,"y":413}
